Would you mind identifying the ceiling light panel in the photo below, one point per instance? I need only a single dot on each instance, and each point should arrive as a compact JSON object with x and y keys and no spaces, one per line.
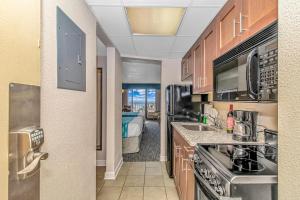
{"x":154,"y":20}
{"x":157,"y":3}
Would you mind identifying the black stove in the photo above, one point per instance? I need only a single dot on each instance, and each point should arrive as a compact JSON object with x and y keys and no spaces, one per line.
{"x":235,"y":172}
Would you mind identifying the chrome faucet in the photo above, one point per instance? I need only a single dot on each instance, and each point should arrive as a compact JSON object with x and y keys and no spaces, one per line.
{"x":216,"y":121}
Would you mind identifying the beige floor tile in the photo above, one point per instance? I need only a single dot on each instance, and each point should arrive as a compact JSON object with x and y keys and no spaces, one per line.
{"x":135,"y":181}
{"x":137,"y":170}
{"x":152,"y":171}
{"x":99,"y":184}
{"x":109,"y":193}
{"x":172,"y":193}
{"x":126,"y":164}
{"x":154,"y":181}
{"x":137,"y":164}
{"x":132,"y":193}
{"x":119,"y":182}
{"x":164,"y":169}
{"x":169,"y":182}
{"x":155,"y":193}
{"x":124,"y":170}
{"x":153,"y":164}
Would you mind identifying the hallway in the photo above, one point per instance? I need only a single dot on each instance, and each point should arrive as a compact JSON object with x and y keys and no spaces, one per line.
{"x":150,"y":144}
{"x":137,"y":181}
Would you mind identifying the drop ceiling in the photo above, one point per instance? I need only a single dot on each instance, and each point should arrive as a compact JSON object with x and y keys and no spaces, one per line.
{"x":111,"y":15}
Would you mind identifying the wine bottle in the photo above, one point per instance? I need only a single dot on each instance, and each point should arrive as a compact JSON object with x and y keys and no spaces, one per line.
{"x":230,"y":120}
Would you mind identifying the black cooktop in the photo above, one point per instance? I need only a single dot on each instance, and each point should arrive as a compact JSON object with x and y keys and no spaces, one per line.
{"x":239,"y":159}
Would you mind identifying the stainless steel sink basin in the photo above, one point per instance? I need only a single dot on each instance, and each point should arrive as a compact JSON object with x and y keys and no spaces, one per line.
{"x":197,"y":128}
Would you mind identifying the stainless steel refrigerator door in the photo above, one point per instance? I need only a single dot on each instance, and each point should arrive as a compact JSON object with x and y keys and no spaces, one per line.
{"x":24,"y":111}
{"x":169,"y":100}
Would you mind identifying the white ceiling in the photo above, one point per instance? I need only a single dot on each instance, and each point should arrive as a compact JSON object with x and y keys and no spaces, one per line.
{"x":111,"y":15}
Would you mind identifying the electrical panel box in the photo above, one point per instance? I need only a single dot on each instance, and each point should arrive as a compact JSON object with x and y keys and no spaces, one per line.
{"x":71,"y":58}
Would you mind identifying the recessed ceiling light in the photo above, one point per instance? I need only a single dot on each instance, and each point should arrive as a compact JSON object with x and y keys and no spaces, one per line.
{"x":154,"y":21}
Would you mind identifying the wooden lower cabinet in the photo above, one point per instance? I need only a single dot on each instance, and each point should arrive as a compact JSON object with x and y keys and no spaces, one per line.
{"x":183,"y":167}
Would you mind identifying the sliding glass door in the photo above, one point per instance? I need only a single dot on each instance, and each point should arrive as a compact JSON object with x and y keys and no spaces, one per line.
{"x":151,"y":97}
{"x":137,"y":100}
{"x":146,"y":101}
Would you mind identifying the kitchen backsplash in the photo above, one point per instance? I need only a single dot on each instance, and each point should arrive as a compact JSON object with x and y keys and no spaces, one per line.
{"x":267,"y":117}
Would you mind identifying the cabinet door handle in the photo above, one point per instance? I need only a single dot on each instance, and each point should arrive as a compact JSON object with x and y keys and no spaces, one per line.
{"x":184,"y":168}
{"x":178,"y":149}
{"x":242,"y":23}
{"x":188,"y":149}
{"x":234,"y":28}
{"x":187,"y":68}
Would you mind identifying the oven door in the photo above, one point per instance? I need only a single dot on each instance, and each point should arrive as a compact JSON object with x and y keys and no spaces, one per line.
{"x":203,"y":191}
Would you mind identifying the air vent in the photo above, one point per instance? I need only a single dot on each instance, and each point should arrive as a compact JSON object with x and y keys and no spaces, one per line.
{"x":256,"y":40}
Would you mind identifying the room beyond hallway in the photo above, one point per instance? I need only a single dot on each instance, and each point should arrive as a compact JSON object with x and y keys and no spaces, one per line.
{"x":150,"y":144}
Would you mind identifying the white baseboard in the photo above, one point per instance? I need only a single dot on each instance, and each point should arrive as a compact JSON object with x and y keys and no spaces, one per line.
{"x":101,"y":163}
{"x":113,"y":174}
{"x":163,"y":158}
{"x":119,"y":166}
{"x":109,"y":175}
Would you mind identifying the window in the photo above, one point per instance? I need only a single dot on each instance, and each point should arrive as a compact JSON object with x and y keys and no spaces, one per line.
{"x":151,"y":96}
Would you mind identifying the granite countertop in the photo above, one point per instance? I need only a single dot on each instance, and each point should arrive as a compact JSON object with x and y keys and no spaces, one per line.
{"x":218,"y":136}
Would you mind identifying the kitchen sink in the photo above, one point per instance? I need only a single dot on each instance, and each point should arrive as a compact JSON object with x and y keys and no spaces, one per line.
{"x":197,"y":128}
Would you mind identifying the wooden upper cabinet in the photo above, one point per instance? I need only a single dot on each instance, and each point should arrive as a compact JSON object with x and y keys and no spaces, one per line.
{"x":227,"y":23}
{"x":187,"y":66}
{"x":237,"y":21}
{"x":184,"y":65}
{"x":254,"y":15}
{"x":197,"y":68}
{"x":209,"y":53}
{"x":190,"y":63}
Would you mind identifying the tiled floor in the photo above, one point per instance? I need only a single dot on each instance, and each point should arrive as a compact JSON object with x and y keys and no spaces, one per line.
{"x":137,"y":181}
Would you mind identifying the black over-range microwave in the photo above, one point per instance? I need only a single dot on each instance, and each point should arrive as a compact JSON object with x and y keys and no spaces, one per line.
{"x":249,"y":72}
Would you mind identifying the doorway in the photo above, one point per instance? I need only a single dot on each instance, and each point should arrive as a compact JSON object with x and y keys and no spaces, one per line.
{"x":142,"y":101}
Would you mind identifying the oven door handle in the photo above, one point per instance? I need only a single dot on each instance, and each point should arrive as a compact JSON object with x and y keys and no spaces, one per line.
{"x":248,"y":73}
{"x":212,"y":192}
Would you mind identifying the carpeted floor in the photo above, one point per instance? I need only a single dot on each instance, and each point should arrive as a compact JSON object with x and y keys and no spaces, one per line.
{"x":150,"y":145}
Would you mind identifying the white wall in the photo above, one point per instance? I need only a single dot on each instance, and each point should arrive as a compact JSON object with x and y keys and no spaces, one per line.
{"x":68,"y":117}
{"x":101,"y":63}
{"x":114,"y":114}
{"x":288,"y":100}
{"x":141,"y":72}
{"x":170,"y":74}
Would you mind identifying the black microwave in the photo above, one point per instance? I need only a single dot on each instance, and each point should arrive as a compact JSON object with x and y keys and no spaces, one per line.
{"x":249,"y":72}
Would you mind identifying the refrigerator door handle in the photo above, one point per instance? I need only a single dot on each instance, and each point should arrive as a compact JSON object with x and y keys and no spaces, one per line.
{"x":172,"y":100}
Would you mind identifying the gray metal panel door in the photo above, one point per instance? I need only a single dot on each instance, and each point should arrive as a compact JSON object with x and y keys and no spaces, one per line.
{"x":71,"y":69}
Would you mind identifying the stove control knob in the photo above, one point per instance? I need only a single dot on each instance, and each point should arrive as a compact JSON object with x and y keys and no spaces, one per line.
{"x":218,"y":182}
{"x":220,"y":190}
{"x":207,"y":174}
{"x":202,"y":171}
{"x":213,"y":181}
